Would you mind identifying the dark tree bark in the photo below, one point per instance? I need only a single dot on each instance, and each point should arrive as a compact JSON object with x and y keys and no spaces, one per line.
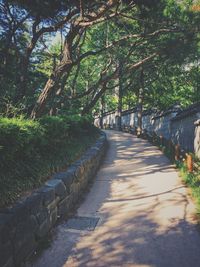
{"x":120,"y":96}
{"x":36,"y":34}
{"x":14,"y":24}
{"x":102,"y":110}
{"x":63,"y":67}
{"x":92,"y":103}
{"x":67,"y":62}
{"x":24,"y":62}
{"x":109,"y":77}
{"x":23,"y":77}
{"x":140,"y":102}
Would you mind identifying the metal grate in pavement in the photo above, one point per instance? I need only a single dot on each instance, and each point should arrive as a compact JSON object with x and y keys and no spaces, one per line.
{"x":82,"y":223}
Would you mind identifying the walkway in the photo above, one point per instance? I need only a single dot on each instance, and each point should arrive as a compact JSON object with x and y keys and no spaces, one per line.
{"x":146,"y":218}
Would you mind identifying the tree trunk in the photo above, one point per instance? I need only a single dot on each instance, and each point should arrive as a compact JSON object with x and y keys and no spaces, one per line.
{"x":24,"y":63}
{"x":93,"y":102}
{"x":23,"y":78}
{"x":120,"y":96}
{"x":63,"y":67}
{"x":102,"y":110}
{"x":140,"y":103}
{"x":47,"y":92}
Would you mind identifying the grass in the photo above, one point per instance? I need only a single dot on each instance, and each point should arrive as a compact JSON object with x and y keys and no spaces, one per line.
{"x":12,"y":189}
{"x":192,"y":180}
{"x":31,"y":152}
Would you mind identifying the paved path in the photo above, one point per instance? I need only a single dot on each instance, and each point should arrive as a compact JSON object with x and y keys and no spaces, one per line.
{"x":146,"y":217}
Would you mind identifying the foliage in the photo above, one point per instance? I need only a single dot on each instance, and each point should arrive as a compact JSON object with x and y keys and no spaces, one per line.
{"x":193,"y":181}
{"x":171,"y":77}
{"x":54,"y":65}
{"x":30,"y":151}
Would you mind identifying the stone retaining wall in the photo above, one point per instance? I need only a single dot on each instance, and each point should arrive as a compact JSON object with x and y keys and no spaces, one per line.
{"x":30,"y":220}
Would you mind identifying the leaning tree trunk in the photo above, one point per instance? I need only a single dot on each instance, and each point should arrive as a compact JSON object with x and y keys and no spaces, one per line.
{"x":47,"y":93}
{"x":93,"y":102}
{"x":64,"y":66}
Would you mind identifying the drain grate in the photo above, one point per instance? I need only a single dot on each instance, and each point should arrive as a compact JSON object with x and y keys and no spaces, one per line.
{"x":82,"y":223}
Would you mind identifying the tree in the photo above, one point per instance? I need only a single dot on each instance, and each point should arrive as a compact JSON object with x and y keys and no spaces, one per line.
{"x":83,"y":69}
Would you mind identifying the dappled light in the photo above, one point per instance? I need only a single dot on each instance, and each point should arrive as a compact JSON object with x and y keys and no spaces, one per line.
{"x":146,"y":217}
{"x":71,"y":71}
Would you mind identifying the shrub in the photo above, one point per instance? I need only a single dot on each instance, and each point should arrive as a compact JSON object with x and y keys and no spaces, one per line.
{"x":192,"y":179}
{"x":32,"y":150}
{"x":19,"y":140}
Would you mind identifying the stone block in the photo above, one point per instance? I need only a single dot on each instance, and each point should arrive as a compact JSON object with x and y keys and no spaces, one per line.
{"x":48,"y":194}
{"x":25,"y":249}
{"x":53,"y":216}
{"x":75,"y":191}
{"x":6,"y":227}
{"x":87,"y":157}
{"x":83,"y":184}
{"x":43,"y":228}
{"x":79,"y":170}
{"x":6,"y":253}
{"x":18,"y":212}
{"x":34,"y":203}
{"x":52,"y":212}
{"x":94,"y":152}
{"x":53,"y":204}
{"x":63,"y":206}
{"x":25,"y":229}
{"x":66,"y":177}
{"x":85,"y":162}
{"x":9,"y":263}
{"x":24,"y":242}
{"x":59,"y":187}
{"x":42,"y":216}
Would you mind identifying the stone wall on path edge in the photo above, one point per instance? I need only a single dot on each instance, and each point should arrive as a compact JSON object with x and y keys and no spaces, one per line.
{"x":25,"y":224}
{"x":175,"y":124}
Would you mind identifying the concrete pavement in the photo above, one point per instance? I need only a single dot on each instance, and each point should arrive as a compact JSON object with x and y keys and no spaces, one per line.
{"x":145,"y":215}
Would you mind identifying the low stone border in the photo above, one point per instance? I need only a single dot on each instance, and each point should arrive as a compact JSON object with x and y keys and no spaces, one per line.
{"x":30,"y":220}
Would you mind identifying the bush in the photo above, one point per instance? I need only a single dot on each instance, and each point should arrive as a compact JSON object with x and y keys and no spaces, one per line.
{"x":19,"y":140}
{"x":30,"y":150}
{"x":192,"y":179}
{"x":56,"y":135}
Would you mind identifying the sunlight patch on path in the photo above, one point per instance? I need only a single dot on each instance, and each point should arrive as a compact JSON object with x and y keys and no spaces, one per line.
{"x":146,"y":217}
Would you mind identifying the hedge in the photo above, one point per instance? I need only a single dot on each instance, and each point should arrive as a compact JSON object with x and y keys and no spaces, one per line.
{"x":30,"y":150}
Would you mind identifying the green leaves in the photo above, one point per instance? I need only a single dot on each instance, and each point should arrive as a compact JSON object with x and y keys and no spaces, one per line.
{"x":32,"y":150}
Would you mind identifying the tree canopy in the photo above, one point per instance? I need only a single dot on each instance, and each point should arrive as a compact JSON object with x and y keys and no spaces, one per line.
{"x":80,"y":57}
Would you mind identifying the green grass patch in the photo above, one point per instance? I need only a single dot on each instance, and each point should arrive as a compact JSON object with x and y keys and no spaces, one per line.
{"x":31,"y":151}
{"x":192,"y":180}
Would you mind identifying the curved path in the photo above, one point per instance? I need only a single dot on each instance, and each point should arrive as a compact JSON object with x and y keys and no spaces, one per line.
{"x":146,"y":217}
